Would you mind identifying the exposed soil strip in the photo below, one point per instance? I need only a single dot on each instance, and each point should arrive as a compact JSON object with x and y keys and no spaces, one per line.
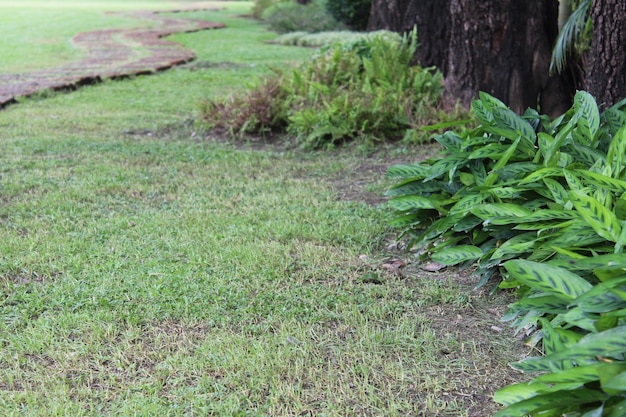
{"x":112,"y":53}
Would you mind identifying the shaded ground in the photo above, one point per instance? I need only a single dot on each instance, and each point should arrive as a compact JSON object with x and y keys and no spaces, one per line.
{"x":112,"y":53}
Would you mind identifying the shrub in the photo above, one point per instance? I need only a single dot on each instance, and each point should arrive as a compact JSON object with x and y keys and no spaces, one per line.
{"x":259,"y":110}
{"x":260,"y":6}
{"x":290,"y":16}
{"x":544,"y":202}
{"x":354,"y":13}
{"x":362,"y":89}
{"x":365,"y":88}
{"x":328,"y":38}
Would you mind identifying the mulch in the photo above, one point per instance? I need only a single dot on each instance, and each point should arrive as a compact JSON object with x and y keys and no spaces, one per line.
{"x":112,"y":54}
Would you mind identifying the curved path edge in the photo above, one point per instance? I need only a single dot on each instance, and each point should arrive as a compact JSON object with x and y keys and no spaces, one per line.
{"x":111,"y":54}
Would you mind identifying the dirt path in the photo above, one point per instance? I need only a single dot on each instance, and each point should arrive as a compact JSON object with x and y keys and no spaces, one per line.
{"x":112,"y":53}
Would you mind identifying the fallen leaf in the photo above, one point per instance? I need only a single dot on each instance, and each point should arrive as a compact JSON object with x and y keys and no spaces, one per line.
{"x":433,"y":267}
{"x":393,"y":269}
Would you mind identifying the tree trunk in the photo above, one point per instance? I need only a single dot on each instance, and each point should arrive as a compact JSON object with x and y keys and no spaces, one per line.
{"x":431,"y":18}
{"x":503,"y":47}
{"x":605,"y":64}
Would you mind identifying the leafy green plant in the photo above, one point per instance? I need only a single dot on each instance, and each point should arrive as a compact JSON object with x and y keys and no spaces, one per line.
{"x":354,"y":13}
{"x":290,"y":16}
{"x":364,"y":88}
{"x":260,"y":6}
{"x":544,"y":202}
{"x":574,"y":37}
{"x":329,"y":37}
{"x":261,"y":109}
{"x":584,"y":367}
{"x":501,"y":190}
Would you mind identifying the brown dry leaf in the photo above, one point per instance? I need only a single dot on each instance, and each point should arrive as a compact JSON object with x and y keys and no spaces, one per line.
{"x":392,"y":268}
{"x":433,"y":267}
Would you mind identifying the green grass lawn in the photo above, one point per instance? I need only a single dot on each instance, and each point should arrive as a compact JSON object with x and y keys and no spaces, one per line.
{"x":147,"y":270}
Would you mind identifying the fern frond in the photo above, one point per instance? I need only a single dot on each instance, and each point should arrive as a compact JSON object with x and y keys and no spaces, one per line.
{"x":569,"y":35}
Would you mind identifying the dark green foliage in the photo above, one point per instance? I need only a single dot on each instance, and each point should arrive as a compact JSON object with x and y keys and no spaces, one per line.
{"x":260,"y":6}
{"x":361,"y":89}
{"x":364,"y":89}
{"x":529,"y":178}
{"x":354,"y":13}
{"x":543,"y":202}
{"x":290,"y":16}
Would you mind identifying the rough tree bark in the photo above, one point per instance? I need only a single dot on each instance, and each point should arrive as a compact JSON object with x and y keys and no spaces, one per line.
{"x":605,"y":63}
{"x":503,"y":47}
{"x":431,"y":18}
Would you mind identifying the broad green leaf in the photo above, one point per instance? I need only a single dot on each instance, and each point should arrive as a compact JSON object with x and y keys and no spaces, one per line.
{"x":466,"y":203}
{"x":413,"y":171}
{"x":547,"y":214}
{"x":445,"y":165}
{"x":573,"y":181}
{"x":557,"y":281}
{"x":615,"y":118}
{"x":614,"y":261}
{"x":517,"y":245}
{"x":601,"y":219}
{"x":482,"y":113}
{"x":568,"y":337}
{"x":545,"y":144}
{"x":491,"y":178}
{"x":599,"y":180}
{"x":551,"y":340}
{"x":620,"y":207}
{"x":603,"y":298}
{"x":577,"y":235}
{"x":609,"y":382}
{"x":507,"y":119}
{"x":490,"y":101}
{"x":586,"y":154}
{"x":545,"y":304}
{"x":478,"y":141}
{"x":557,"y":190}
{"x":486,"y":211}
{"x":541,"y":174}
{"x":440,"y":226}
{"x":477,"y":168}
{"x":618,"y":410}
{"x":404,"y":221}
{"x":589,"y":121}
{"x":516,"y":170}
{"x":450,"y":140}
{"x":558,"y":401}
{"x":467,"y":223}
{"x":578,"y":375}
{"x":467,"y":179}
{"x":410,"y":202}
{"x":617,"y":152}
{"x":456,"y":255}
{"x":491,"y":151}
{"x":542,"y":227}
{"x":576,"y":317}
{"x":518,"y":392}
{"x":607,"y":344}
{"x":505,"y":192}
{"x":413,"y":187}
{"x":617,"y":384}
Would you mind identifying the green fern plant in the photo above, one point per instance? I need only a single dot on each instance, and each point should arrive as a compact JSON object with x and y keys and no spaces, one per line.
{"x":573,"y":38}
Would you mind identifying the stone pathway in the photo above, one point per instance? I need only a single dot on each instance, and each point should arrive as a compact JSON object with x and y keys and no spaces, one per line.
{"x":112,"y":53}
